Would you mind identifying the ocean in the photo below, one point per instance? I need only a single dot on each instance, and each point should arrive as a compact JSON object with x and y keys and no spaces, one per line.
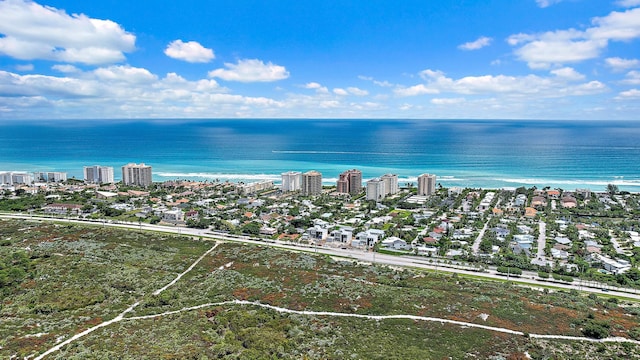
{"x":465,"y":153}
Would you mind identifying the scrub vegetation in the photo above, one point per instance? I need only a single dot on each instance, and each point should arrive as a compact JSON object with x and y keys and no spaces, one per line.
{"x":63,"y":279}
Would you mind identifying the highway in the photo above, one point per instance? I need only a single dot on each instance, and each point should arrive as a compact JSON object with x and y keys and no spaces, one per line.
{"x":526,"y":279}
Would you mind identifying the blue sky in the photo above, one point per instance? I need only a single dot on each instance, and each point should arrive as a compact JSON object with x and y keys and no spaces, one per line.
{"x":494,"y":59}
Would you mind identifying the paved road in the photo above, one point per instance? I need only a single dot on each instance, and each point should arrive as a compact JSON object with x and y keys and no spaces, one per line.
{"x":542,"y":243}
{"x":527,"y":278}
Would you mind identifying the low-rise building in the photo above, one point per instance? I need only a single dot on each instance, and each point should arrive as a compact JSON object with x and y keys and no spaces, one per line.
{"x":395,"y":243}
{"x":63,"y":209}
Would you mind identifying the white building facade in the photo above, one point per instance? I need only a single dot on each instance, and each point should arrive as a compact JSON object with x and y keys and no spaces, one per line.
{"x":291,"y":181}
{"x":376,"y":189}
{"x":426,"y":184}
{"x":98,"y":174}
{"x":137,"y":174}
{"x":390,"y":183}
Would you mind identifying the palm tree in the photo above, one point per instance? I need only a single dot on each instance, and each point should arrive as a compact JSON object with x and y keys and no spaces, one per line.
{"x":612,"y":189}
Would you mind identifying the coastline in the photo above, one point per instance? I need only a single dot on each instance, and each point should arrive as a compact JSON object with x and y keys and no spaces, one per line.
{"x":462,"y":153}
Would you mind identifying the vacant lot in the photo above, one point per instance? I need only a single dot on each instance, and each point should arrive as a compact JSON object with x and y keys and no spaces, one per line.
{"x":74,"y":277}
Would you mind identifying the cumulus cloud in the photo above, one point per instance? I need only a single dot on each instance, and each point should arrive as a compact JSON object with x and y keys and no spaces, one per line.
{"x":190,"y":51}
{"x":317,"y":87}
{"x":570,"y":46}
{"x":568,"y":73}
{"x":632,"y":78}
{"x":251,"y":70}
{"x":65,"y":68}
{"x":125,"y":74}
{"x":477,"y":44}
{"x":340,"y":91}
{"x":350,"y":91}
{"x":629,"y":94}
{"x":41,"y":85}
{"x":563,"y":83}
{"x":125,"y":91}
{"x":32,"y":31}
{"x":415,"y":90}
{"x":357,"y":92}
{"x":447,"y":101}
{"x":619,"y":64}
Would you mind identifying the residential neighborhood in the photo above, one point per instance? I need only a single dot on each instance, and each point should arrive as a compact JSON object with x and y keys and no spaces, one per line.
{"x":571,"y":233}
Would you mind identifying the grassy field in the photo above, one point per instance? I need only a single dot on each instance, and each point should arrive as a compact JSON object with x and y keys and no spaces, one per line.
{"x":78,"y":276}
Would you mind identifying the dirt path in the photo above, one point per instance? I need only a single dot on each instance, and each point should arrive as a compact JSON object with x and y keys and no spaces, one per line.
{"x":384,"y":317}
{"x":120,"y":317}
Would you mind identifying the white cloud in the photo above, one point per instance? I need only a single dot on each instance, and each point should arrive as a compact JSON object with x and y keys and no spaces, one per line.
{"x":632,"y":78}
{"x":125,"y":74}
{"x":447,"y":101}
{"x":628,"y":3}
{"x":251,"y":70}
{"x":350,"y":91}
{"x":377,"y":82}
{"x":340,"y":91}
{"x":629,"y":94}
{"x":415,"y":90}
{"x":568,"y":73}
{"x":357,"y":92}
{"x":317,"y":87}
{"x":571,"y":46}
{"x":124,"y":91}
{"x":65,"y":68}
{"x":477,"y":44}
{"x":312,"y":85}
{"x":190,"y":51}
{"x":24,"y":67}
{"x":32,"y":31}
{"x":563,"y":83}
{"x":42,"y":85}
{"x":619,"y":64}
{"x":546,"y":3}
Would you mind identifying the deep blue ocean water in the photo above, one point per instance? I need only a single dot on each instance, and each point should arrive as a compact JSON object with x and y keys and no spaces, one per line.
{"x":468,"y":153}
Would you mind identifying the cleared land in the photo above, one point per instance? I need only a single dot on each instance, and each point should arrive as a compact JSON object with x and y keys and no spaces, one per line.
{"x":75,"y":277}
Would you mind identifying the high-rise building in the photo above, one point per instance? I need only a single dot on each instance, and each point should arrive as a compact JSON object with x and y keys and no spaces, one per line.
{"x":426,"y":184}
{"x":98,"y":174}
{"x":136,"y":174}
{"x":376,"y":189}
{"x":56,"y":176}
{"x":291,"y":181}
{"x":390,"y":183}
{"x":41,"y":176}
{"x":312,"y":183}
{"x":13,"y":178}
{"x":350,"y":182}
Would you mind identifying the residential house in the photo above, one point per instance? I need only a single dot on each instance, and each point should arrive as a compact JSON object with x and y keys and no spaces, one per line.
{"x":395,"y":243}
{"x":569,"y":202}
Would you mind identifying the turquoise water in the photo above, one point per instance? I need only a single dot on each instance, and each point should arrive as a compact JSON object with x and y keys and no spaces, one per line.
{"x":468,"y":153}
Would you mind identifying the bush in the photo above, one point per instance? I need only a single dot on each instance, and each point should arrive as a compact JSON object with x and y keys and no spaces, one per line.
{"x":509,"y":270}
{"x":564,"y":278}
{"x":596,"y":329}
{"x":542,"y":274}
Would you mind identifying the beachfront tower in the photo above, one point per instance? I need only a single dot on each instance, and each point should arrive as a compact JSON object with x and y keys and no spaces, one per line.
{"x":350,"y":182}
{"x":426,"y":184}
{"x":390,"y":183}
{"x":291,"y":181}
{"x":98,"y":174}
{"x":376,"y":189}
{"x":312,"y":183}
{"x":136,"y":174}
